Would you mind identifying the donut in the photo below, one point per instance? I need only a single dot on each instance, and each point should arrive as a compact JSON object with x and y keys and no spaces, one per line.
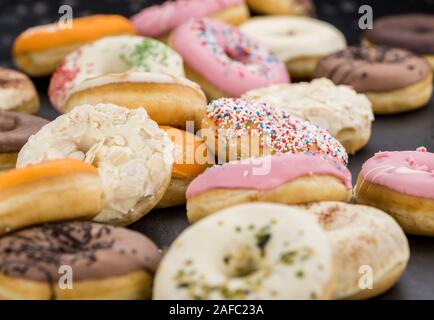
{"x":402,"y":184}
{"x":395,"y":80}
{"x":346,"y":115}
{"x":236,"y":129}
{"x":168,"y":99}
{"x":15,"y":130}
{"x":283,"y":7}
{"x":298,"y":41}
{"x":53,"y":191}
{"x":223,"y":60}
{"x":159,"y":20}
{"x":190,"y":159}
{"x":362,"y":237}
{"x":414,"y":32}
{"x":104,"y":262}
{"x":38,"y":50}
{"x":133,"y":156}
{"x":17,"y":92}
{"x":259,"y":251}
{"x":286,"y":179}
{"x":115,"y":54}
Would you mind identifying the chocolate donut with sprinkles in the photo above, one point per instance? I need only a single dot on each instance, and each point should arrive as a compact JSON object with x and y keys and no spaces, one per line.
{"x":100,"y":261}
{"x":239,"y":129}
{"x":223,"y":60}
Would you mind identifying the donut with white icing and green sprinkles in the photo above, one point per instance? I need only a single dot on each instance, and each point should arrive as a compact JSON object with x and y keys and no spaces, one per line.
{"x":116,"y":54}
{"x":278,"y":131}
{"x":227,"y":58}
{"x":251,"y":251}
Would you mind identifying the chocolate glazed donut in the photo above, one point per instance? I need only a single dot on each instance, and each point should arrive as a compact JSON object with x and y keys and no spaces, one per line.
{"x":106,"y":262}
{"x":15,"y":130}
{"x":395,"y":80}
{"x":414,"y":32}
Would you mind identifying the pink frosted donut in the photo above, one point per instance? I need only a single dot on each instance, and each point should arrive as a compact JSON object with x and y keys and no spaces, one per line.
{"x":225,"y":61}
{"x":287,"y":179}
{"x":401,"y":183}
{"x":159,"y":20}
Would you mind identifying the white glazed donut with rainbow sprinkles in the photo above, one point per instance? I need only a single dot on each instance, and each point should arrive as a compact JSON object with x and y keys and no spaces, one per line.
{"x":225,"y":61}
{"x":238,"y":129}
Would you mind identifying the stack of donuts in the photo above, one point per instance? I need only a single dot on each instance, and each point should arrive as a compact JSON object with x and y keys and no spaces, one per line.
{"x":189,"y":103}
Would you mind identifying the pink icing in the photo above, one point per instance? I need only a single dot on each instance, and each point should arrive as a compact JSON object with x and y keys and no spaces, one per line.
{"x":226,"y":57}
{"x":282,"y":169}
{"x":407,"y":172}
{"x":158,"y":20}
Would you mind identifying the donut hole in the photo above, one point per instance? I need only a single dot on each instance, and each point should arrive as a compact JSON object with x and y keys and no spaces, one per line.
{"x":241,"y":262}
{"x":423,"y":29}
{"x":238,"y":54}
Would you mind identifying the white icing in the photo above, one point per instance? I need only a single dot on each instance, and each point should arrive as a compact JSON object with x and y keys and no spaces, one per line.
{"x":320,"y":102}
{"x":10,"y":98}
{"x":20,"y":91}
{"x":295,"y":37}
{"x":132,"y":154}
{"x":112,"y":55}
{"x":136,"y":77}
{"x":234,"y":232}
{"x":406,"y":170}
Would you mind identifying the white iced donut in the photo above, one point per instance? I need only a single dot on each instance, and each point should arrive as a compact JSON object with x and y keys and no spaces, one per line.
{"x":365,"y":242}
{"x":346,"y":114}
{"x":251,"y":251}
{"x":132,"y":154}
{"x":116,"y":54}
{"x":298,"y":41}
{"x":168,"y":99}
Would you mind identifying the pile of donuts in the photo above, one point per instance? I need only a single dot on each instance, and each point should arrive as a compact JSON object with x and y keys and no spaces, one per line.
{"x":190,"y":103}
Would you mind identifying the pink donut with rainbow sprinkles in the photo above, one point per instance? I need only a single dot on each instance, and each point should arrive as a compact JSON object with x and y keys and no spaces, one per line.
{"x":159,"y":20}
{"x":225,"y":61}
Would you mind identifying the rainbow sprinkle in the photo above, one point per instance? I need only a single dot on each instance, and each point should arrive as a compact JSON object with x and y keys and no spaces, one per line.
{"x":232,"y":47}
{"x":278,"y":131}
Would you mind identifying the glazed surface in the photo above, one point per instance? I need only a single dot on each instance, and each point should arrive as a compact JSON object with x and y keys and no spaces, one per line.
{"x":158,"y":20}
{"x":373,"y":69}
{"x":252,"y":251}
{"x":227,"y":58}
{"x":407,"y":172}
{"x":247,"y":174}
{"x":16,"y":128}
{"x":414,"y":32}
{"x":93,"y":251}
{"x":84,"y":29}
{"x":295,"y":37}
{"x":111,"y":55}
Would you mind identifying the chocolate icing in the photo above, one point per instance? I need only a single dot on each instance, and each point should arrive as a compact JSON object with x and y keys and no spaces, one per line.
{"x":16,"y":128}
{"x":414,"y":32}
{"x":376,"y":69}
{"x":92,"y":250}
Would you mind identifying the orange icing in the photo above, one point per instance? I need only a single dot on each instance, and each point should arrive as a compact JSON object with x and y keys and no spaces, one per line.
{"x":185,"y":165}
{"x":44,"y":170}
{"x":84,"y":29}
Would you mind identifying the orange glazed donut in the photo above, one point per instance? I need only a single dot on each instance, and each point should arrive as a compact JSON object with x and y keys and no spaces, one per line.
{"x":38,"y":50}
{"x":52,"y":191}
{"x":191,"y":159}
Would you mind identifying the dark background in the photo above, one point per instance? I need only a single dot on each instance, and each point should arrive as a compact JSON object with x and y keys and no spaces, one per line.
{"x":398,"y":132}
